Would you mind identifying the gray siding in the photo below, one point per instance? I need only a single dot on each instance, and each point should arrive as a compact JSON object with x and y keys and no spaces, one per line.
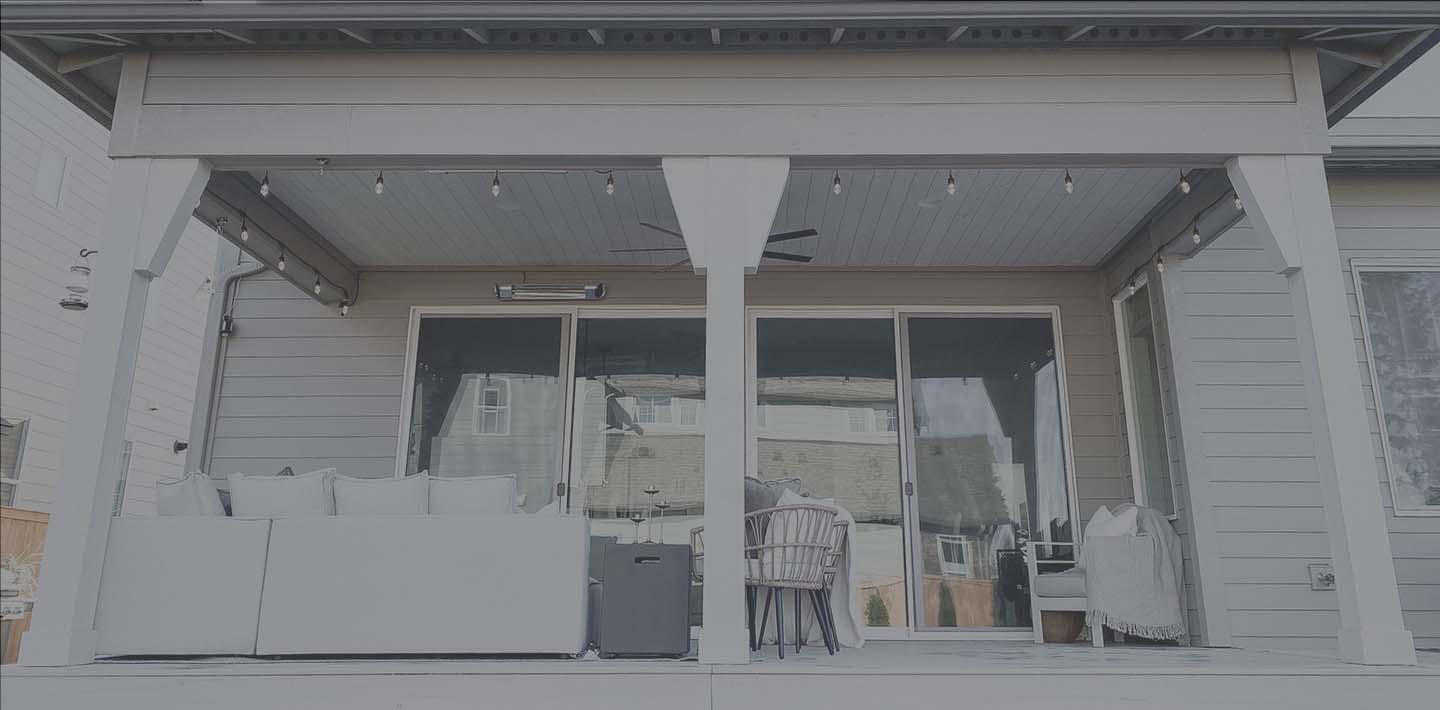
{"x":1396,"y":219}
{"x":40,"y":343}
{"x":303,"y":387}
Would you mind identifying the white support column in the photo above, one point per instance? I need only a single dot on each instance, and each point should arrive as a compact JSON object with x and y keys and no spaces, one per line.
{"x":149,"y":205}
{"x":725,"y":207}
{"x":1288,"y":203}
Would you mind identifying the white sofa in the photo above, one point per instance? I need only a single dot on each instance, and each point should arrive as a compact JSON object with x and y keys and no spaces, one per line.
{"x":508,"y":584}
{"x":181,"y":586}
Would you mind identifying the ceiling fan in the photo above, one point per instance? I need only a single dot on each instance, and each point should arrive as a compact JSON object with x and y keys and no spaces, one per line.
{"x":767,"y":254}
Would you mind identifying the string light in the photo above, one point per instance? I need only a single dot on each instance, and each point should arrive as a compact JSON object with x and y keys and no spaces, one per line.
{"x":1132,"y":288}
{"x":1239,"y":205}
{"x":1195,"y":233}
{"x":316,"y":289}
{"x":1184,"y":183}
{"x":265,"y":185}
{"x":1160,"y":264}
{"x":1069,"y":184}
{"x":950,"y":184}
{"x":280,"y":263}
{"x":609,"y":184}
{"x":835,"y":187}
{"x":322,"y":162}
{"x":244,"y":230}
{"x":380,"y":183}
{"x":495,"y":185}
{"x":220,"y":223}
{"x":344,"y":308}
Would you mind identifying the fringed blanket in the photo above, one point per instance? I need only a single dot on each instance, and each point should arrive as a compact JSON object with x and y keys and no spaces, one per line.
{"x":1135,"y":584}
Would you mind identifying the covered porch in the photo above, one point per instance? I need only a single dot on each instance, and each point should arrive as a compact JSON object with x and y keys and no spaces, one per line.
{"x":978,"y":240}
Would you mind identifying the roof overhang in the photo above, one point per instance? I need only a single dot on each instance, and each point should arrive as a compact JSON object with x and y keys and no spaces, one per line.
{"x":70,"y":44}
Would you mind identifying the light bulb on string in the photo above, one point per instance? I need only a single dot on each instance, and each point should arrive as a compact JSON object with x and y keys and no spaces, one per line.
{"x":1160,"y":264}
{"x":265,"y":185}
{"x":495,"y":185}
{"x":1195,"y":233}
{"x":609,"y":184}
{"x":1239,"y":204}
{"x":344,"y":308}
{"x":950,"y":184}
{"x":1069,"y":184}
{"x":244,"y":230}
{"x":1184,"y":183}
{"x":316,"y":289}
{"x":835,"y":186}
{"x":380,"y":183}
{"x":280,"y":263}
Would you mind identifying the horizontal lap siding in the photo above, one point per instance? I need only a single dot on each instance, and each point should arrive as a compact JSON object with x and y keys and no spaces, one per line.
{"x":304,"y":387}
{"x":1397,"y":220}
{"x":42,"y":343}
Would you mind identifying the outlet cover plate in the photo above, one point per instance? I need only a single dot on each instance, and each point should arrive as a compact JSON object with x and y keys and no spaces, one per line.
{"x":1322,"y":577}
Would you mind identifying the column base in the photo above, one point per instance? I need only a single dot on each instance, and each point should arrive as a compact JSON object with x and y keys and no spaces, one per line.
{"x":63,"y":648}
{"x":726,"y":646}
{"x":1377,"y":647}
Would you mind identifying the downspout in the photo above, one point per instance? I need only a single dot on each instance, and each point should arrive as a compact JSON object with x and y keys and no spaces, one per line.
{"x":218,"y":325}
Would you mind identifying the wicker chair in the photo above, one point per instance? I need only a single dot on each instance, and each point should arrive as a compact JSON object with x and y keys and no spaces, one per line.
{"x":791,"y":547}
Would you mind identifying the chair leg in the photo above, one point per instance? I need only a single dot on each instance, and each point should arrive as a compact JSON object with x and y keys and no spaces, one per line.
{"x":750,"y":614}
{"x":764,"y":616}
{"x":815,"y":600}
{"x":1037,"y":623}
{"x":780,"y":622}
{"x":830,"y":618}
{"x":1097,"y":633}
{"x":799,"y":635}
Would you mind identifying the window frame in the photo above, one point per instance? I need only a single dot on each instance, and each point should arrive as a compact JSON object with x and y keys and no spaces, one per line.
{"x":13,"y":481}
{"x":1127,"y":394}
{"x":965,"y":544}
{"x":1357,"y":268}
{"x":501,"y":408}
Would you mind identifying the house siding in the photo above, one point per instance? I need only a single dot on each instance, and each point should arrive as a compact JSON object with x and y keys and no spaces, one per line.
{"x":303,"y":387}
{"x":39,"y":342}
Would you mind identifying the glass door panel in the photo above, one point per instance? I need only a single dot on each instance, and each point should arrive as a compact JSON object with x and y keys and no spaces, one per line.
{"x":989,"y":464}
{"x":489,"y":401}
{"x":639,"y":426}
{"x":826,"y":417}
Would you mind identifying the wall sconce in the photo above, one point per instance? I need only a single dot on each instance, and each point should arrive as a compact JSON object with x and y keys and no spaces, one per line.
{"x":79,"y":283}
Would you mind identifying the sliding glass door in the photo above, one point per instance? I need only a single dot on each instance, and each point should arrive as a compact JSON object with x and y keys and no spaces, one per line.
{"x":988,"y":461}
{"x":826,"y":424}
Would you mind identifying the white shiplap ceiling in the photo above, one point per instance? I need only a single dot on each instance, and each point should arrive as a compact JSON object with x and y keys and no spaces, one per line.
{"x":883,"y":217}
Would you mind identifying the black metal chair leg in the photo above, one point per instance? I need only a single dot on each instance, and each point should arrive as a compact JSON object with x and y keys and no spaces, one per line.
{"x":820,"y":619}
{"x":764,"y":616}
{"x":799,"y":635}
{"x":829,"y":612}
{"x":780,"y":623}
{"x":750,"y":611}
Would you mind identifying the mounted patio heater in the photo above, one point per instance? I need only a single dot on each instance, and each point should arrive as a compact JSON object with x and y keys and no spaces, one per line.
{"x":550,"y":292}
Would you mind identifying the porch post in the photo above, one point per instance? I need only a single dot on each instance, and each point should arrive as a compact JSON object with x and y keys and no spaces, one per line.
{"x":1288,"y":203}
{"x":725,"y":207}
{"x":149,"y":205}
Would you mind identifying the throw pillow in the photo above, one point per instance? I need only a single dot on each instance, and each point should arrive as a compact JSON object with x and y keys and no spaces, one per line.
{"x":760,"y":495}
{"x":473,"y":495}
{"x":193,"y":495}
{"x":382,"y":496}
{"x":282,"y":496}
{"x":1106,"y":524}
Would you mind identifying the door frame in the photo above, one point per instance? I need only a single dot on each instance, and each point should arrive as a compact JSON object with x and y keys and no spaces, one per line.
{"x":899,"y":314}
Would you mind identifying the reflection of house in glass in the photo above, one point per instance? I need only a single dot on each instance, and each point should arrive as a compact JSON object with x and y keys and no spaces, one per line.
{"x":502,"y":424}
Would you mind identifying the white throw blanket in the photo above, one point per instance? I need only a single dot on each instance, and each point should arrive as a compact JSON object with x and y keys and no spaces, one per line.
{"x":1134,"y":583}
{"x":849,"y":624}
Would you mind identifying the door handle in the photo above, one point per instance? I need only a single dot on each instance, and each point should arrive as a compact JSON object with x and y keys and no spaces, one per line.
{"x":909,"y":488}
{"x":560,"y":489}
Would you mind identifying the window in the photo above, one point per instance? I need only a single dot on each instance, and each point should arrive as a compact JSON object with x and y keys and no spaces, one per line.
{"x":1144,"y":403}
{"x":1400,"y":319}
{"x":652,"y":409}
{"x":12,"y":450}
{"x":492,"y":407}
{"x":954,"y":554}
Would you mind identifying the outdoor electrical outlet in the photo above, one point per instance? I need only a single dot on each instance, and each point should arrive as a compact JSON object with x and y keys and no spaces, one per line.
{"x":1322,"y":577}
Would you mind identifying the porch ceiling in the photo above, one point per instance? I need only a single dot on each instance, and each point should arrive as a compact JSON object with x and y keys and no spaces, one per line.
{"x":901,"y":217}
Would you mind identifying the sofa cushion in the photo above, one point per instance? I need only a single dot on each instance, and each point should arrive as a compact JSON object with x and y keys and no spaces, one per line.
{"x":760,"y":495}
{"x":1070,"y":583}
{"x":194,"y":496}
{"x":473,"y":495}
{"x":382,"y":496}
{"x":282,"y":496}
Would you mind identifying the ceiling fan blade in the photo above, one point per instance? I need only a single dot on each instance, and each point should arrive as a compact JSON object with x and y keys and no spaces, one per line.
{"x":657,"y":228}
{"x":675,"y":265}
{"x":800,"y":258}
{"x":622,"y":251}
{"x":787,"y":236}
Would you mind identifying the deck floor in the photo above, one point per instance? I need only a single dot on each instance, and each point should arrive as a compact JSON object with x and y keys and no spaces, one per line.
{"x":894,"y":674}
